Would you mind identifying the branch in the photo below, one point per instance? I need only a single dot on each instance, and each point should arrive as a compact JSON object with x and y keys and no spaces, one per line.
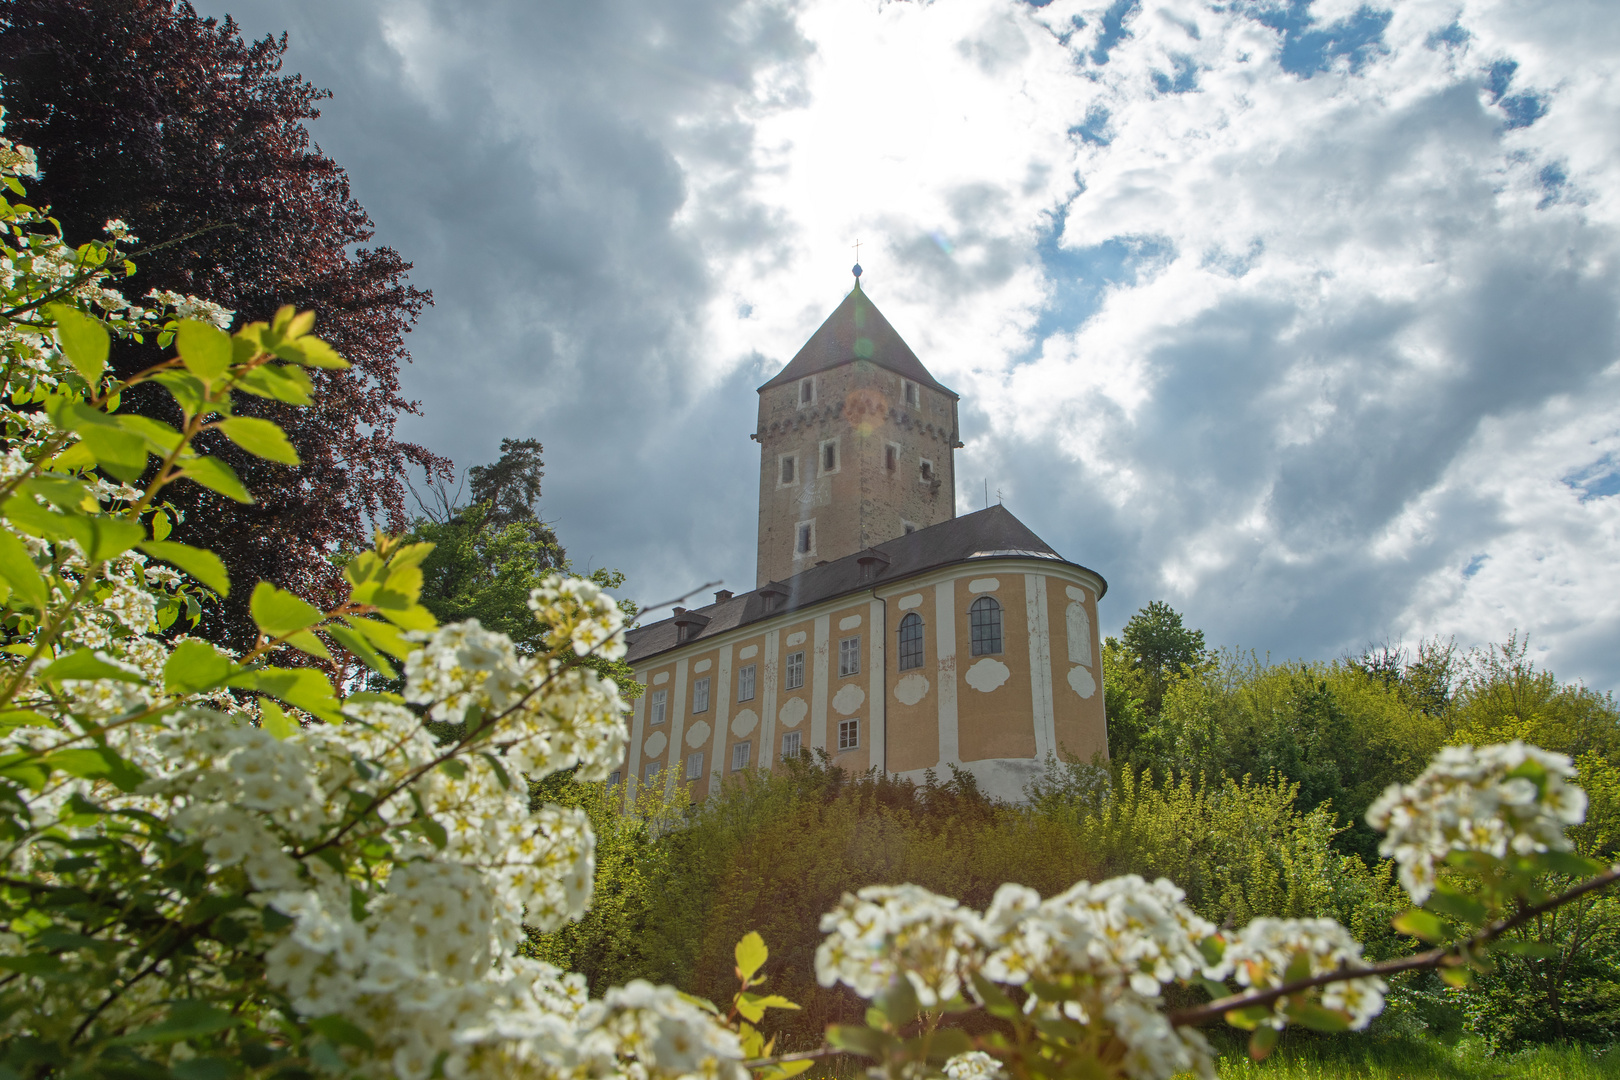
{"x":825,"y":1050}
{"x":1434,"y":958}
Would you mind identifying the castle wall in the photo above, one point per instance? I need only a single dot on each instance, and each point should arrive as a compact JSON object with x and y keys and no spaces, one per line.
{"x":998,"y":715}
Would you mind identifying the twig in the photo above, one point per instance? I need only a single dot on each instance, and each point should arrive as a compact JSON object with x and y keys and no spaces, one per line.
{"x":1434,"y":958}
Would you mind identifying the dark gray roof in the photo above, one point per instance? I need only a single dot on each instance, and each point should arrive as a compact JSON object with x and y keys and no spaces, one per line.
{"x":990,"y":533}
{"x":856,"y":330}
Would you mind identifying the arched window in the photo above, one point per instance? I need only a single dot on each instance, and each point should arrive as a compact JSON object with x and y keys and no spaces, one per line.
{"x":911,"y":642}
{"x":984,"y":620}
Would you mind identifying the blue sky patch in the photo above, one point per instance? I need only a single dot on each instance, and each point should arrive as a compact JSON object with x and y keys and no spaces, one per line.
{"x":1113,"y":29}
{"x":1522,"y":109}
{"x":1309,"y":48}
{"x":1185,"y":80}
{"x":1079,"y":277}
{"x":1475,"y":564}
{"x":1094,"y":128}
{"x":1597,"y":481}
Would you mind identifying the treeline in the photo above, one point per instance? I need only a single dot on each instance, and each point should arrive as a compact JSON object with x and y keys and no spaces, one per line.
{"x":1242,"y":781}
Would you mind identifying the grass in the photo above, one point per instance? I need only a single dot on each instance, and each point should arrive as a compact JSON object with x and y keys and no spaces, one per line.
{"x":1420,"y":1059}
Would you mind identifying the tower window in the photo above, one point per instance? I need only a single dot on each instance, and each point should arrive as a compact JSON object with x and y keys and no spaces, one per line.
{"x":794,"y":676}
{"x":891,"y":457}
{"x":829,"y":456}
{"x":790,"y":744}
{"x":910,"y":392}
{"x":849,"y":656}
{"x":789,"y":465}
{"x":849,"y":734}
{"x":911,"y":642}
{"x":807,"y":391}
{"x":925,"y":471}
{"x":984,"y":623}
{"x":804,"y":541}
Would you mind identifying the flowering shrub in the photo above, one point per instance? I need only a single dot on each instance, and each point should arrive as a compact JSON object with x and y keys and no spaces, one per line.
{"x":219,"y":864}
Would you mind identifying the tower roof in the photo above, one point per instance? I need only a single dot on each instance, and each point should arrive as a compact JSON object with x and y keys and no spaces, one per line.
{"x":857,"y":330}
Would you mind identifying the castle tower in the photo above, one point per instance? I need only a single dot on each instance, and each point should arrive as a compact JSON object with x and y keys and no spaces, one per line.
{"x":857,"y":444}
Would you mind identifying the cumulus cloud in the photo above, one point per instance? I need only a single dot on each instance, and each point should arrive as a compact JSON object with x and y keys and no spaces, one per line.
{"x":1300,"y":315}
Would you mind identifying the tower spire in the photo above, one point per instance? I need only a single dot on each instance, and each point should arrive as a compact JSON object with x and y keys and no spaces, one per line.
{"x":856,"y":269}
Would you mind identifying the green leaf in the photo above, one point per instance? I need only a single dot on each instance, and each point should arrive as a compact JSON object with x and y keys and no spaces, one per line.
{"x":1567,"y":863}
{"x":161,"y":439}
{"x":194,"y":666}
{"x":306,"y":642}
{"x":751,"y":955}
{"x":753,"y":1006}
{"x":205,"y":349}
{"x":946,"y":1042}
{"x":361,"y":648}
{"x":900,"y":1002}
{"x":1448,"y":901}
{"x":1318,"y":1018}
{"x":18,"y":569}
{"x":121,"y":453}
{"x":860,"y":1040}
{"x":215,"y":475}
{"x":1298,"y":968}
{"x":311,"y":352}
{"x":433,"y":831}
{"x":1422,"y":925}
{"x":279,"y":613}
{"x":186,"y":1020}
{"x":200,"y":563}
{"x":204,"y":1068}
{"x":261,"y":438}
{"x":104,"y":537}
{"x":1262,"y":1042}
{"x":1459,"y":977}
{"x":84,"y":664}
{"x":1540,"y":950}
{"x":302,"y":688}
{"x":187,"y":390}
{"x":96,"y":763}
{"x":1213,"y":948}
{"x":278,"y":382}
{"x":84,"y":339}
{"x":1215,"y":990}
{"x":275,"y":720}
{"x":342,"y":1031}
{"x":385,"y":636}
{"x":1250,"y":1018}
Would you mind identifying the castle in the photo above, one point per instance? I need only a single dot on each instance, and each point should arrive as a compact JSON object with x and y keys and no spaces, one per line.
{"x":883,"y":628}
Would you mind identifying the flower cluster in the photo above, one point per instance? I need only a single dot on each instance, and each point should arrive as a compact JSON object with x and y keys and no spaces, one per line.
{"x":1509,"y":799}
{"x":1270,"y":952}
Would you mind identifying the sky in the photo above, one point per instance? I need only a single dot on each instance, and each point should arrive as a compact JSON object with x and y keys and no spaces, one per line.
{"x":1301,"y":316}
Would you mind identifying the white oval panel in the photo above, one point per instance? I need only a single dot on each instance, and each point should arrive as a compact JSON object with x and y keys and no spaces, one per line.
{"x":987,"y":674}
{"x":654,"y":746}
{"x":744,"y":722}
{"x":796,"y":638}
{"x":909,"y":602}
{"x":848,"y":699}
{"x":748,"y":652}
{"x":983,"y":584}
{"x":697,"y":734}
{"x":911,"y":689}
{"x":793,"y":712}
{"x":849,"y":623}
{"x":1082,"y":682}
{"x":701,"y":666}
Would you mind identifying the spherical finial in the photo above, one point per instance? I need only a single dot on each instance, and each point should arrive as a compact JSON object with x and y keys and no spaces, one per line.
{"x":856,"y":270}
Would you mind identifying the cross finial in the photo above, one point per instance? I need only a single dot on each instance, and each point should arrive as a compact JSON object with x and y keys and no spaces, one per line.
{"x":857,"y":268}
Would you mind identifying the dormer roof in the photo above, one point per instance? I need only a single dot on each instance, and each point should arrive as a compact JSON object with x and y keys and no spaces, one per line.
{"x":856,"y":330}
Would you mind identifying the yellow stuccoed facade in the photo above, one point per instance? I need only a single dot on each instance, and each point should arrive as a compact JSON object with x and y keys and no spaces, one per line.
{"x":906,"y":638}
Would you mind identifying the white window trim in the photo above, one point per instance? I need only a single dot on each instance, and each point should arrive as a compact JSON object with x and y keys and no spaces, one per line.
{"x":855,"y":721}
{"x":746,"y":748}
{"x":798,"y":392}
{"x":821,"y":457}
{"x":798,"y":742}
{"x":798,"y":526}
{"x":787,"y":668}
{"x":796,"y":473}
{"x":910,"y":394}
{"x":660,"y":699}
{"x":753,"y":682}
{"x":708,"y":695}
{"x":854,"y":652}
{"x":694,"y":758}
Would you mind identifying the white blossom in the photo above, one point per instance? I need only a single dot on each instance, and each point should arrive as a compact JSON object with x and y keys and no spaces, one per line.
{"x":1501,"y":800}
{"x":1262,"y":953}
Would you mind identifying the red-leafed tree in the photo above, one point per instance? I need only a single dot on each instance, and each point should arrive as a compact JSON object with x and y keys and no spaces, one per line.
{"x":143,"y":110}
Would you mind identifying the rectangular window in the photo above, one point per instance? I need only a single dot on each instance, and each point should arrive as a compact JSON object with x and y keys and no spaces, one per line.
{"x":795,"y":671}
{"x":739,"y":756}
{"x":700,"y":696}
{"x":653,"y":770}
{"x":849,"y":734}
{"x":911,"y":392}
{"x":891,"y":457}
{"x":694,"y":765}
{"x":613,"y":778}
{"x":790,"y":744}
{"x":849,"y":656}
{"x":805,"y":542}
{"x":925,"y":471}
{"x":657,"y":706}
{"x":807,"y":391}
{"x":829,"y":456}
{"x":790,"y":466}
{"x":745,"y":683}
